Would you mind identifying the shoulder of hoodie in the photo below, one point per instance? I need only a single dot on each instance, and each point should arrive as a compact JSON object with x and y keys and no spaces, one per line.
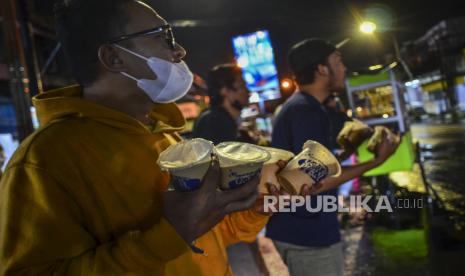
{"x":49,"y":141}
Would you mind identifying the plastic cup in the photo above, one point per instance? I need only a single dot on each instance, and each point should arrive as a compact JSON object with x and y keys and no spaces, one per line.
{"x":239,"y":163}
{"x":268,"y":173}
{"x":187,"y":162}
{"x":311,"y":165}
{"x":353,"y":134}
{"x":377,"y":138}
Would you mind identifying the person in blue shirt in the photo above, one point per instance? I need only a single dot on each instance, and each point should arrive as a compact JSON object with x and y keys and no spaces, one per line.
{"x":310,"y":243}
{"x":228,"y":95}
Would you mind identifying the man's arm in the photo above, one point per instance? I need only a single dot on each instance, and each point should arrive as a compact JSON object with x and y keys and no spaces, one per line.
{"x":43,"y":231}
{"x":385,"y":150}
{"x":242,"y":226}
{"x":245,"y":226}
{"x":348,"y":173}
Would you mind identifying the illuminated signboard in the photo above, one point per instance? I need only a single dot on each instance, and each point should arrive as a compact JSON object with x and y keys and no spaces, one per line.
{"x":254,"y":54}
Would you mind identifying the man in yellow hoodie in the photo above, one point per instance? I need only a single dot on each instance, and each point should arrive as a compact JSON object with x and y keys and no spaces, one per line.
{"x":83,"y":195}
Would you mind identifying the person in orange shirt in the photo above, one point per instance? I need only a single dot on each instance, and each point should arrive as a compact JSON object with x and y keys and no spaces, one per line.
{"x":83,"y":195}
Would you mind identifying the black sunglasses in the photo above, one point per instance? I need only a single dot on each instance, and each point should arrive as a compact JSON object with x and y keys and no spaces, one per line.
{"x":162,"y":30}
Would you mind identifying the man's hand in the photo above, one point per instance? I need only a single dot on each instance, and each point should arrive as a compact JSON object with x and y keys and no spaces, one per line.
{"x":346,"y":152}
{"x":274,"y":191}
{"x":194,"y":213}
{"x":384,"y":150}
{"x":270,"y":176}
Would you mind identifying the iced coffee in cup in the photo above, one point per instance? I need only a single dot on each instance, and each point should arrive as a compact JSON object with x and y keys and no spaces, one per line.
{"x":187,"y":162}
{"x":353,"y":134}
{"x":268,"y":174}
{"x":239,"y":163}
{"x":377,"y":138}
{"x":311,"y":165}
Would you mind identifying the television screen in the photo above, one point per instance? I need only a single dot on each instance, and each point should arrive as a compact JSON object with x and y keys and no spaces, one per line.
{"x":254,"y":54}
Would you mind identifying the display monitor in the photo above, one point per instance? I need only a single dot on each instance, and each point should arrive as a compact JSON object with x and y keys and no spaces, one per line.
{"x":254,"y":54}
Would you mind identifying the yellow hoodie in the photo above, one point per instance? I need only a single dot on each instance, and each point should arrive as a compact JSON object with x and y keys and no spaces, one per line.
{"x":82,"y":196}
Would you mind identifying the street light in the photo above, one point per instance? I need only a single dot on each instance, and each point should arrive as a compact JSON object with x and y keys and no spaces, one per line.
{"x":368,"y":27}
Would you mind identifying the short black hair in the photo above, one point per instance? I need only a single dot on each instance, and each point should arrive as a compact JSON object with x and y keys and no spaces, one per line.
{"x":223,"y":75}
{"x":82,"y":26}
{"x":305,"y":56}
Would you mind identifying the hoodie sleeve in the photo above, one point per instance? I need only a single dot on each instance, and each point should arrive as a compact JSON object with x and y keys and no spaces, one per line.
{"x":42,"y":232}
{"x":242,"y":226}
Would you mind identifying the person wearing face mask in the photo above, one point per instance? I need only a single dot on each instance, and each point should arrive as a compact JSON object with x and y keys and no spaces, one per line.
{"x":83,"y":195}
{"x":228,"y":96}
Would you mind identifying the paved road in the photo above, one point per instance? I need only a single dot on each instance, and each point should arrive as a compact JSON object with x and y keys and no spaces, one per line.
{"x":439,"y":247}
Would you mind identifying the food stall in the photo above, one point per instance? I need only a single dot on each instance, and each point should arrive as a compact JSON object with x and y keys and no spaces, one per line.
{"x":377,"y":99}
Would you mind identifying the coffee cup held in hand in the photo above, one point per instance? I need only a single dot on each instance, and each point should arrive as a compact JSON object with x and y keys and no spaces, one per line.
{"x":269,"y":170}
{"x":187,"y":162}
{"x":377,"y":138}
{"x":314,"y":163}
{"x":353,"y":134}
{"x":239,"y":163}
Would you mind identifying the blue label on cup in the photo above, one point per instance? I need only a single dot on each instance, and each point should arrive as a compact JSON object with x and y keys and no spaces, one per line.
{"x":241,"y":179}
{"x":315,"y":169}
{"x":184,"y":184}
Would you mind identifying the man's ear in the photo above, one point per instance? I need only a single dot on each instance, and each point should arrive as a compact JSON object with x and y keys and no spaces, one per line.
{"x":224,"y":92}
{"x":323,"y":70}
{"x":110,"y":59}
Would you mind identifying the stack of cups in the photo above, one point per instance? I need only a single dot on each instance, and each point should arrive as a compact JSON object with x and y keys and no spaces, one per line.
{"x":310,"y":166}
{"x":239,"y":163}
{"x":187,"y":162}
{"x":268,"y":174}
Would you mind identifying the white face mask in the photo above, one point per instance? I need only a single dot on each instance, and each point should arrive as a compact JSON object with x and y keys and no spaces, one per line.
{"x":173,"y":82}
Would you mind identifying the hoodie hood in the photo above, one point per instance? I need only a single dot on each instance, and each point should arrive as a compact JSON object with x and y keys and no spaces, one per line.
{"x":68,"y":102}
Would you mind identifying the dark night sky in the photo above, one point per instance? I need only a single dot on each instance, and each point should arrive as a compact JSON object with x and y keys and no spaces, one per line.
{"x":290,"y":21}
{"x":293,"y":20}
